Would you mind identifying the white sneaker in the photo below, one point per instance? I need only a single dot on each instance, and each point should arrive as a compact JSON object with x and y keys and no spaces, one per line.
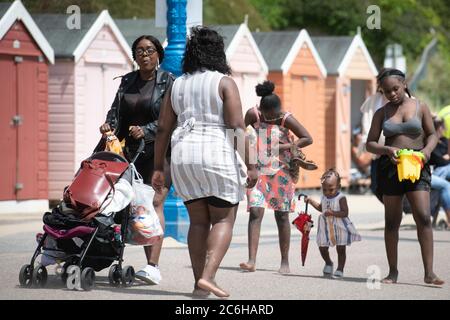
{"x":149,"y":274}
{"x":338,"y":274}
{"x":328,"y":269}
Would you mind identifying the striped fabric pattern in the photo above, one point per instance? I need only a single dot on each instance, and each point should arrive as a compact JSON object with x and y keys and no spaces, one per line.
{"x":203,"y":161}
{"x":332,"y":231}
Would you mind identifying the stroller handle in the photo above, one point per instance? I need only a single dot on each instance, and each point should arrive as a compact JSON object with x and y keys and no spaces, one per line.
{"x":304,"y":196}
{"x":139,"y":150}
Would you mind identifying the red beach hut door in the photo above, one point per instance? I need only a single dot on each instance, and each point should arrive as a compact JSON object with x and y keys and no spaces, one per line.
{"x":8,"y":138}
{"x":19,"y":122}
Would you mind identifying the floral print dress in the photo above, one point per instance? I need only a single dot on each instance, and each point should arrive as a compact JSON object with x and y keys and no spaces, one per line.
{"x":275,"y":189}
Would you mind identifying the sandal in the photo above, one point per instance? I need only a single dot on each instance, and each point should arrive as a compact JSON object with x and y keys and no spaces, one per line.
{"x":299,"y":159}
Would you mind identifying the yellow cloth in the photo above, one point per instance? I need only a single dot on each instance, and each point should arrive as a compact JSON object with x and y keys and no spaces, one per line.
{"x":113,"y":144}
{"x":409,"y":166}
{"x":444,"y":114}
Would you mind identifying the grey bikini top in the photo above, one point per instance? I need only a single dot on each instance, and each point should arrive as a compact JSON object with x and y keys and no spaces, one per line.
{"x":411,"y":127}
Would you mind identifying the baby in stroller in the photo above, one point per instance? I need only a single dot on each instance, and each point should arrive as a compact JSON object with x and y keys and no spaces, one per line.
{"x":89,"y":236}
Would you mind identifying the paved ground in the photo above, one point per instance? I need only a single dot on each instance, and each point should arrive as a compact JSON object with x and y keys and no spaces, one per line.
{"x":366,"y":258}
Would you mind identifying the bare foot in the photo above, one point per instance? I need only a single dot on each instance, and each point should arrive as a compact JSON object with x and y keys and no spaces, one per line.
{"x":250,"y":267}
{"x":284,"y":268}
{"x":434,"y":279}
{"x":390,"y":279}
{"x":211,"y":287}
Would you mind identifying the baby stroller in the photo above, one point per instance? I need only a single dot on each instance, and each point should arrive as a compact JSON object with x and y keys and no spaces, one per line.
{"x":84,"y":245}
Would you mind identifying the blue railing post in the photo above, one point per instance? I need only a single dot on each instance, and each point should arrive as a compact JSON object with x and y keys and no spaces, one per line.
{"x":175,"y":212}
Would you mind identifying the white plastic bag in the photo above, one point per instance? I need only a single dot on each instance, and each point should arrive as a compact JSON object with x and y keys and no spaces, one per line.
{"x":144,"y":227}
{"x":119,"y":198}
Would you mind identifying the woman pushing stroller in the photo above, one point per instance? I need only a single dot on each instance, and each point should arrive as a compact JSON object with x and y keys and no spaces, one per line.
{"x":134,"y":115}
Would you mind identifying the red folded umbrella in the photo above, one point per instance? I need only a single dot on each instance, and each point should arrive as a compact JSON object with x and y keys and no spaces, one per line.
{"x":304,"y":223}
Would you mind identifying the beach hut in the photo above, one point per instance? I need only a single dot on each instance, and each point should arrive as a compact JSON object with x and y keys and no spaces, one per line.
{"x":243,"y":55}
{"x":350,"y":79}
{"x":134,"y":28}
{"x":24,"y":58}
{"x":82,"y":87}
{"x":299,"y":73}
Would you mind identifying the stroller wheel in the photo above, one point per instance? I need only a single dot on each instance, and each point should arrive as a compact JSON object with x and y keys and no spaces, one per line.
{"x":114,"y":275}
{"x":87,"y":279}
{"x":39,"y":278}
{"x":127,"y":276}
{"x":25,"y":276}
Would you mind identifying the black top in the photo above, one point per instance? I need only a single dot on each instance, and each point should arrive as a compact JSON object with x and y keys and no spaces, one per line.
{"x":437,"y":156}
{"x":138,"y":103}
{"x":136,"y":108}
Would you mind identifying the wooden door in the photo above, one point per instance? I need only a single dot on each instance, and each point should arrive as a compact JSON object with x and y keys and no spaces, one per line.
{"x":343,"y":129}
{"x":19,"y":125}
{"x":92,"y":110}
{"x":28,"y":131}
{"x":8,"y":138}
{"x":310,"y":113}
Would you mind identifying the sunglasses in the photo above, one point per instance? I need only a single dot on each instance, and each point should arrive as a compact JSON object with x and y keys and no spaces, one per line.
{"x":149,"y":51}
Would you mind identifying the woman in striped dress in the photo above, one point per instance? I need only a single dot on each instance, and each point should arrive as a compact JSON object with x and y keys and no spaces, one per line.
{"x":207,"y":173}
{"x":334,"y":227}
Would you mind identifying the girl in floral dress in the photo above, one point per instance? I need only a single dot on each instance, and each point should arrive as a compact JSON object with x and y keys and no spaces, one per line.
{"x":275,"y":188}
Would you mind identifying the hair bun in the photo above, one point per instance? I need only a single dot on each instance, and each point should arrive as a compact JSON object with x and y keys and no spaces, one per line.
{"x":264,"y":89}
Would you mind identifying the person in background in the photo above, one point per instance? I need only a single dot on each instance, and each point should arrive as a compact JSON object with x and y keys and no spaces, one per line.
{"x":440,"y":160}
{"x":368,"y":109}
{"x":360,"y":157}
{"x":361,"y":161}
{"x":444,"y":114}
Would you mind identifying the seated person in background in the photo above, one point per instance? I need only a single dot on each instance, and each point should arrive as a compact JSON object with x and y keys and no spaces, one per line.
{"x":439,"y":157}
{"x":360,"y":157}
{"x":441,"y":167}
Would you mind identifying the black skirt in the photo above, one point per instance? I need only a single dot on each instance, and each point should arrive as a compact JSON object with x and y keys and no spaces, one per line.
{"x":389,"y":185}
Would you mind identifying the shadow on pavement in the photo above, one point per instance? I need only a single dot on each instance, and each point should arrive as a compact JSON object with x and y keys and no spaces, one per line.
{"x":417,"y":285}
{"x":244,"y":271}
{"x":366,"y":237}
{"x":348,"y":279}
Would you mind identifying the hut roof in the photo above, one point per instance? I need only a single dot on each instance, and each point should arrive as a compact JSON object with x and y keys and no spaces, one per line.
{"x":280,"y":48}
{"x":275,"y":46}
{"x":11,"y":12}
{"x":71,"y":43}
{"x":134,"y":28}
{"x":336,"y":52}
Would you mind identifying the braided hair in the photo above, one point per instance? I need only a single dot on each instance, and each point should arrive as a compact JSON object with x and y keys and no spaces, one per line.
{"x":391,"y":72}
{"x":205,"y":50}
